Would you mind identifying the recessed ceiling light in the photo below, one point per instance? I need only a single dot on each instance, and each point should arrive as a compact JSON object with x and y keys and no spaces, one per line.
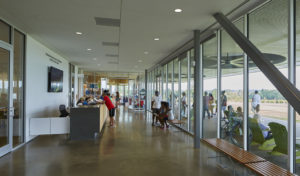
{"x":89,"y":49}
{"x":156,"y":39}
{"x":140,"y":61}
{"x":94,"y":58}
{"x":79,"y":33}
{"x":178,"y":10}
{"x":146,"y":52}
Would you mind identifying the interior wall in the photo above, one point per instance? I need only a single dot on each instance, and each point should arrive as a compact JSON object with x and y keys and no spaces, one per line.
{"x":39,"y":102}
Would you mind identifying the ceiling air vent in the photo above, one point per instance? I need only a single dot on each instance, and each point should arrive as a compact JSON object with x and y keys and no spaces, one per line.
{"x":113,"y":62}
{"x":107,"y":22}
{"x":112,"y":55}
{"x":110,"y":44}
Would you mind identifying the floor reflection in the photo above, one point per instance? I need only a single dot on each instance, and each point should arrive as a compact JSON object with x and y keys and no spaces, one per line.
{"x":132,"y":147}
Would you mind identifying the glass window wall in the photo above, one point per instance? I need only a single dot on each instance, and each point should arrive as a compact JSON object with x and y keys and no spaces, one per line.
{"x":164,"y":87}
{"x":268,"y":110}
{"x":170,"y":85}
{"x":184,"y":90}
{"x":176,"y":90}
{"x":210,"y":65}
{"x":18,"y":89}
{"x":232,"y":62}
{"x":191,"y":90}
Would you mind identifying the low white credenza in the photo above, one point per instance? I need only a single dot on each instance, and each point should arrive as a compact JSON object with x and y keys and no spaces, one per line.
{"x":49,"y":125}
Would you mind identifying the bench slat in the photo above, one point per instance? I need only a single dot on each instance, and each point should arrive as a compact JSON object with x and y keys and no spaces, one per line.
{"x":267,"y":168}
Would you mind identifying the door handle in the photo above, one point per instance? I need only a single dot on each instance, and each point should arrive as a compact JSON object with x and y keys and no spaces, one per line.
{"x":11,"y":111}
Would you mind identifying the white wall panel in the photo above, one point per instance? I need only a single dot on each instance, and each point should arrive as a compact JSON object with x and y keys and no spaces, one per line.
{"x":40,"y":102}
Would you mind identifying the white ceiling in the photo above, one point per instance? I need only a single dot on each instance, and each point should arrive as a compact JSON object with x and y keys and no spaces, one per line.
{"x":54,"y":23}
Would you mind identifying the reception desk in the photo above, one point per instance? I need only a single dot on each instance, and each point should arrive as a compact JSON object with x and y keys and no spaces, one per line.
{"x":86,"y":122}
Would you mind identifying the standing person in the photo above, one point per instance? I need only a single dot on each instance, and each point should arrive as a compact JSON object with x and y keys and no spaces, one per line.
{"x":223,"y":103}
{"x":110,"y":106}
{"x":255,"y":101}
{"x":155,"y":105}
{"x":210,"y":104}
{"x":183,"y":104}
{"x":117,"y":99}
{"x":205,"y":105}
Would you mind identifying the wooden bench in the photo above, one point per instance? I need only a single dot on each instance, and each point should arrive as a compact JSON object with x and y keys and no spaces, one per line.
{"x":253,"y":162}
{"x":233,"y":151}
{"x":176,"y":122}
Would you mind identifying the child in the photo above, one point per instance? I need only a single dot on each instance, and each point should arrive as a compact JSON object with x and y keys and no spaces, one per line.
{"x":164,"y":113}
{"x":110,"y":106}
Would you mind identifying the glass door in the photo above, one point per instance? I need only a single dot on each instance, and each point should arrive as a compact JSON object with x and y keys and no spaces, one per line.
{"x":5,"y":100}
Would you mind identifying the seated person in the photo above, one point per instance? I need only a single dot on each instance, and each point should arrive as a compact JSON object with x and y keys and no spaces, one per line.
{"x":239,"y":112}
{"x":164,"y":114}
{"x":85,"y":102}
{"x":91,"y":101}
{"x":229,"y":112}
{"x":265,"y":129}
{"x":80,"y":101}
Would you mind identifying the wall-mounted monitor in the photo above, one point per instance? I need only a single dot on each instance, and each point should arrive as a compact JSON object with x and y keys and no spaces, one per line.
{"x":55,"y":80}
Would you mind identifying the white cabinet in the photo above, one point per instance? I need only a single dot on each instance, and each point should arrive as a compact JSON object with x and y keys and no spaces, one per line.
{"x":49,"y":125}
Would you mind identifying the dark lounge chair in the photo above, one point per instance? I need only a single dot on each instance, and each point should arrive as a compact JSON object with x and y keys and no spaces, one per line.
{"x":63,"y":111}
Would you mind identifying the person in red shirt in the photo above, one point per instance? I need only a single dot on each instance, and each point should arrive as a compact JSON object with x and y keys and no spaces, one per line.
{"x":110,"y":106}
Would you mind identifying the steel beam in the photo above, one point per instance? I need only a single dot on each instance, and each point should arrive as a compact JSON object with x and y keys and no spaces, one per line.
{"x":201,"y":91}
{"x":246,"y":91}
{"x":179,"y":88}
{"x":283,"y":85}
{"x":291,"y":75}
{"x":197,"y":89}
{"x":219,"y":88}
{"x":146,"y":90}
{"x":173,"y":96}
{"x":189,"y":89}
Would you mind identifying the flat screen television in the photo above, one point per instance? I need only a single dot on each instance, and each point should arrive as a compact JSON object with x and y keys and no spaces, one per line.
{"x":55,"y":80}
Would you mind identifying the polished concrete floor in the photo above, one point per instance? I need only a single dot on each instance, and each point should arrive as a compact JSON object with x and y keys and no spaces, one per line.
{"x":133,"y":148}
